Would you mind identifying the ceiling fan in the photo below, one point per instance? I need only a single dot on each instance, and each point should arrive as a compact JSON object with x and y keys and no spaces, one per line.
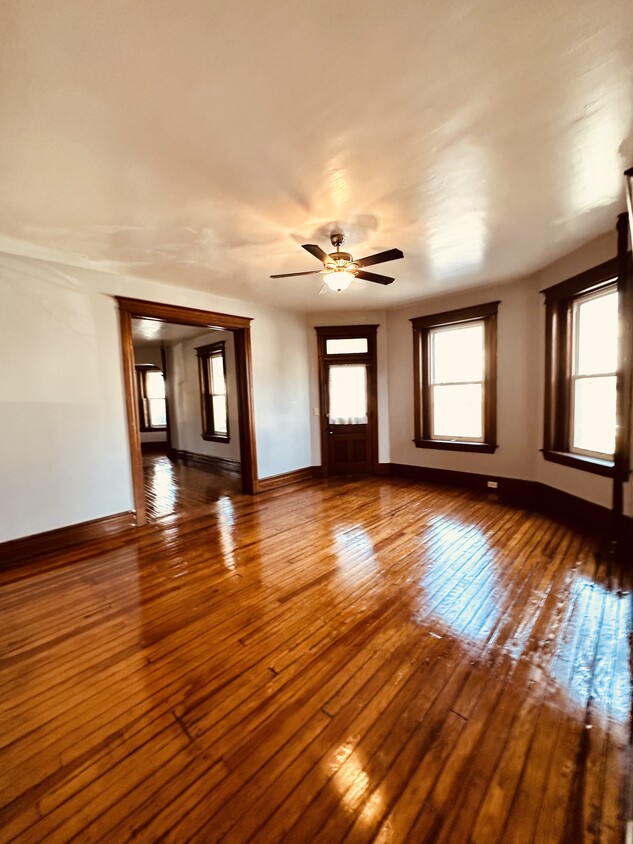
{"x":340,"y":269}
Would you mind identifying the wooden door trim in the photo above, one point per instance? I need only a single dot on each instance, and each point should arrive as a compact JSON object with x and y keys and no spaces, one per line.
{"x":240,"y":326}
{"x":329,"y":332}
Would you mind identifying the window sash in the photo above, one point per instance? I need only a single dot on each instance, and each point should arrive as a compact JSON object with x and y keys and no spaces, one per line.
{"x":215,"y":424}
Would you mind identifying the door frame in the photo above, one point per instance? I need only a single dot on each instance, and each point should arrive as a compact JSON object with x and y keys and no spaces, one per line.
{"x":130,"y":309}
{"x":330,"y":332}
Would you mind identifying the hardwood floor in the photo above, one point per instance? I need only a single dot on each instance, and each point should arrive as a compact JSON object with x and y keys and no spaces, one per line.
{"x":344,"y":660}
{"x":177,"y":486}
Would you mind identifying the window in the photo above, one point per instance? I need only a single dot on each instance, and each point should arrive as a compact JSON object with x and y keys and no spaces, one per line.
{"x":581,"y":370}
{"x":212,"y":369}
{"x":455,"y":355}
{"x":151,"y":398}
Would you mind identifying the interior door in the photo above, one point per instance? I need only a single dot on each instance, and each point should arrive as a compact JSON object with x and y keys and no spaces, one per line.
{"x":349,"y":432}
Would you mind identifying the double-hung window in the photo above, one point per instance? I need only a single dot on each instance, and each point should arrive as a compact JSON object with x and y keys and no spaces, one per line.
{"x":150,"y":385}
{"x":213,"y":395}
{"x":581,"y":370}
{"x":455,"y":379}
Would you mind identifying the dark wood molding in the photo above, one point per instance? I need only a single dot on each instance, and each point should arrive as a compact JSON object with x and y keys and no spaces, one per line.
{"x":222,"y":464}
{"x":287,"y":478}
{"x":559,"y":303}
{"x":624,"y":387}
{"x":244,"y":376}
{"x":579,"y":461}
{"x":144,"y":309}
{"x":155,"y":447}
{"x":133,"y":422}
{"x":422,"y":422}
{"x":458,"y":315}
{"x":166,"y":361}
{"x":584,"y":282}
{"x":204,"y":353}
{"x":240,"y":326}
{"x":457,"y":445}
{"x":338,"y":331}
{"x":17,"y":550}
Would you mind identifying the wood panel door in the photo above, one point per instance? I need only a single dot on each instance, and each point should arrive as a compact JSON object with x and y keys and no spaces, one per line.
{"x":349,"y":414}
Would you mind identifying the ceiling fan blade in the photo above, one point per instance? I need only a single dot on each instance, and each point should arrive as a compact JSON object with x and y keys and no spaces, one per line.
{"x":292,"y":275}
{"x":379,"y":279}
{"x":315,"y":250}
{"x":380,"y":257}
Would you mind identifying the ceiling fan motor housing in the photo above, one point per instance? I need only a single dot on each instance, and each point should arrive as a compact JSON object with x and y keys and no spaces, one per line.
{"x":339,"y":258}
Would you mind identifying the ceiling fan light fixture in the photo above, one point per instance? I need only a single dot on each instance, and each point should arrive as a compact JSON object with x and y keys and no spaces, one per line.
{"x":338,"y":280}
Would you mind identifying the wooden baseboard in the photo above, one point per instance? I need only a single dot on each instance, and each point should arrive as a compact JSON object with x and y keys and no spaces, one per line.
{"x":17,"y":550}
{"x":157,"y":447}
{"x":530,"y":495}
{"x":218,"y":464}
{"x":286,"y":478}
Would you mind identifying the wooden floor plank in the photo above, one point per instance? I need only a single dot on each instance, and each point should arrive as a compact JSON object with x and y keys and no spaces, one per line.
{"x":357,"y":660}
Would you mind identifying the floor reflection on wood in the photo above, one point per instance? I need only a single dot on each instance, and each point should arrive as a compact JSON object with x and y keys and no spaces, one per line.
{"x":177,"y":486}
{"x":344,"y":660}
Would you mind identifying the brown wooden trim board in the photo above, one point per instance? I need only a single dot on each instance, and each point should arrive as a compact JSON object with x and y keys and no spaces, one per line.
{"x":16,"y":550}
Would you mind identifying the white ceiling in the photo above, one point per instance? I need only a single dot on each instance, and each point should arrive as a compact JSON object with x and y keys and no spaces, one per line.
{"x":201,"y":142}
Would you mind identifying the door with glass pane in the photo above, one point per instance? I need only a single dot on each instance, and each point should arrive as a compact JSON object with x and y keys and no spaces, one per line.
{"x":349,"y":433}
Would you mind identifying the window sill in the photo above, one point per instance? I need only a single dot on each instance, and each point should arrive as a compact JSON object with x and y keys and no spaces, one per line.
{"x":216,"y":438}
{"x":457,"y":445}
{"x":579,"y":461}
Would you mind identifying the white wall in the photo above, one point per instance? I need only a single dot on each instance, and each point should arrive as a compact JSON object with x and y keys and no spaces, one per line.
{"x":152,"y":355}
{"x":184,"y":406}
{"x":378,"y":318}
{"x":64,"y":450}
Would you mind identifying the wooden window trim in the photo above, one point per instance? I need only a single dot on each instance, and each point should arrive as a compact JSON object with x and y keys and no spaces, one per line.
{"x":205,"y":353}
{"x":422,"y":326}
{"x":141,"y":390}
{"x":559,"y":302}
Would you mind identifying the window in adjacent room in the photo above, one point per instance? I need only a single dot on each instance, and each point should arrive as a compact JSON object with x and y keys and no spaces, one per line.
{"x":455,"y":379}
{"x":151,"y":397}
{"x":581,"y":373}
{"x":212,"y":369}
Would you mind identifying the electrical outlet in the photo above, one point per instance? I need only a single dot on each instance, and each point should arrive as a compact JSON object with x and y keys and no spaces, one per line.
{"x":492,"y":484}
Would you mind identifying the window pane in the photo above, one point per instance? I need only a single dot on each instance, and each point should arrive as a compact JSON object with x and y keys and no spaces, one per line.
{"x":219,"y":414}
{"x":346,"y":346}
{"x":157,"y":413}
{"x":348,"y":395}
{"x":457,"y":411}
{"x":457,"y":354}
{"x":596,"y":326}
{"x":217,"y":374}
{"x":155,"y":385}
{"x":594,"y":414}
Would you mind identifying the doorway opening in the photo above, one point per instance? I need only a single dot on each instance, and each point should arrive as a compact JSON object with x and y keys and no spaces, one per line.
{"x":348,"y":396}
{"x":188,"y":391}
